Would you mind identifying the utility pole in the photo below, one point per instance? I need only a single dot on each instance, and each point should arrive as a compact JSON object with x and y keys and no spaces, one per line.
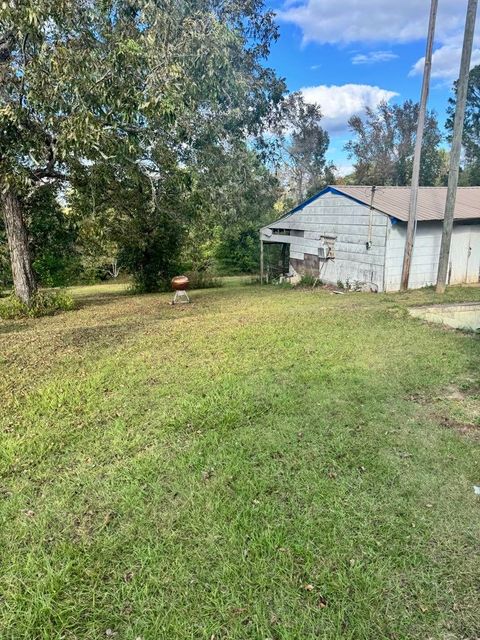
{"x":412,"y":210}
{"x":462,"y":87}
{"x":261,"y":258}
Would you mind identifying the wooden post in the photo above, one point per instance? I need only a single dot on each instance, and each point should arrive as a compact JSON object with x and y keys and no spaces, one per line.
{"x":456,"y":148}
{"x":261,"y":259}
{"x":412,"y":211}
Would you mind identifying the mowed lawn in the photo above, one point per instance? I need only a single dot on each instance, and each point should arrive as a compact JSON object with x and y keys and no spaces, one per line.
{"x":264,"y":463}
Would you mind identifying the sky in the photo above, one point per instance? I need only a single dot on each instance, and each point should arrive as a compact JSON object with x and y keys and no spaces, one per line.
{"x":347,"y":54}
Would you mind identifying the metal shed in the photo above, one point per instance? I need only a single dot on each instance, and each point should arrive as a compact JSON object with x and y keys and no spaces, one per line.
{"x":356,"y":235}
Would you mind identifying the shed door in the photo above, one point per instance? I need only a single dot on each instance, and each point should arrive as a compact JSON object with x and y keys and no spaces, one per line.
{"x":464,"y":255}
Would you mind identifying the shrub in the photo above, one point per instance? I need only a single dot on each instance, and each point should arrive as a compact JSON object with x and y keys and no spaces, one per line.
{"x":202,"y":280}
{"x":44,"y":303}
{"x":309,"y":281}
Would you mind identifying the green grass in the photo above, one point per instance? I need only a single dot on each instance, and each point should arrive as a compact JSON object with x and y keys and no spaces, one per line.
{"x":262,"y":463}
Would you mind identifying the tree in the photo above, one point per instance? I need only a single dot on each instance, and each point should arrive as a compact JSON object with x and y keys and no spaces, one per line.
{"x":470,"y":174}
{"x":142,"y":217}
{"x":302,"y":144}
{"x":55,"y":113}
{"x":53,"y":238}
{"x":157,"y":79}
{"x":384,"y":144}
{"x":236,"y":195}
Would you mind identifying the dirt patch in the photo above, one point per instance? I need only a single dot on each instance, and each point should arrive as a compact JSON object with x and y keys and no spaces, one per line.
{"x":452,"y":392}
{"x":463,"y":428}
{"x":418,"y":398}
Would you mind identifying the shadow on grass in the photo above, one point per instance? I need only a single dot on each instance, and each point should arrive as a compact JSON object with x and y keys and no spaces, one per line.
{"x":12,"y":327}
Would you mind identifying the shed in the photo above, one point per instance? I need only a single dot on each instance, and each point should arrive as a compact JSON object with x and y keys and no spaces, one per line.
{"x":356,"y":235}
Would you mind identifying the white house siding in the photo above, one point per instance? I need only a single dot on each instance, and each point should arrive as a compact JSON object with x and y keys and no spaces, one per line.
{"x":348,"y":221}
{"x":464,"y":254}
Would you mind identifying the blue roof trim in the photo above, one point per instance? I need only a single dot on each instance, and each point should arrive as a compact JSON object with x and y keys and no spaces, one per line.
{"x":321,"y":193}
{"x":311,"y":199}
{"x":337,"y":192}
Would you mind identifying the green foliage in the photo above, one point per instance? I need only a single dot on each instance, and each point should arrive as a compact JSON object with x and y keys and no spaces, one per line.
{"x":470,"y":175}
{"x":308,"y":280}
{"x":53,"y":237}
{"x":239,"y":250}
{"x":44,"y":303}
{"x":5,"y":270}
{"x":53,"y":240}
{"x":163,"y":90}
{"x":384,"y":143}
{"x":151,"y":251}
{"x":203,"y":280}
{"x":301,"y":144}
{"x":143,"y":220}
{"x":234,"y":197}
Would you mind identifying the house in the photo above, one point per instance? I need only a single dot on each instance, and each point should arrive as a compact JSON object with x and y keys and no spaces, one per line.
{"x":356,"y":235}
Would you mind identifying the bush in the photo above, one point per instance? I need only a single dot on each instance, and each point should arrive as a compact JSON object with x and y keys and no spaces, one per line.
{"x":309,"y":281}
{"x":44,"y":303}
{"x":202,"y":280}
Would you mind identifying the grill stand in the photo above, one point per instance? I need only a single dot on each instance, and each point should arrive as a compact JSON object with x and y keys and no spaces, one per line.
{"x":181,"y":297}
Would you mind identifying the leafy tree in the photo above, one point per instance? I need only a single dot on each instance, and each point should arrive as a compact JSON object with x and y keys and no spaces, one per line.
{"x":235,"y":194}
{"x":85,"y":84}
{"x":70,"y":80}
{"x":470,"y":174}
{"x":250,"y":194}
{"x":143,"y":218}
{"x":52,"y":242}
{"x":53,"y":238}
{"x":384,"y":144}
{"x":302,"y":144}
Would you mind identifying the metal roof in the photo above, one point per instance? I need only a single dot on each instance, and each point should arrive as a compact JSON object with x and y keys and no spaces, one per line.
{"x":394,"y":201}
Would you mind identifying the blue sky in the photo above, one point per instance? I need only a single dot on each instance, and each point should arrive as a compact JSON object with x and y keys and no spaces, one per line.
{"x":347,"y":54}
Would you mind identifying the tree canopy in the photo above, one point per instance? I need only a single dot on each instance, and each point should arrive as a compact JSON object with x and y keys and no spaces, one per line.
{"x":301,"y":144}
{"x":384,"y":143}
{"x":471,"y":128}
{"x":128,"y":99}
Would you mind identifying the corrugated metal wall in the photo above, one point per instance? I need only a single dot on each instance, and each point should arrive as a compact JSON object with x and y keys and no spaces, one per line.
{"x":464,"y":255}
{"x":348,"y":221}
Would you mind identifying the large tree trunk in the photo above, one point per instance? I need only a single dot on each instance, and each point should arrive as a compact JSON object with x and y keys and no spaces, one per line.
{"x":17,"y":236}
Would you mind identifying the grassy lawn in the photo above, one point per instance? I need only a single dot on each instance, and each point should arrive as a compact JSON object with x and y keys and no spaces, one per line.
{"x":261,"y":464}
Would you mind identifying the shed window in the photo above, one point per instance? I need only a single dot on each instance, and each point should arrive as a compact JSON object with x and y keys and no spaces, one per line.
{"x":281,"y":232}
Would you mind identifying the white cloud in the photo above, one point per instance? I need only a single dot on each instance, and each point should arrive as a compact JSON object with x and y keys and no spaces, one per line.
{"x":403,"y":21}
{"x":445,"y":62}
{"x":384,"y":21}
{"x":339,"y":103}
{"x":372,"y":57}
{"x":344,"y":169}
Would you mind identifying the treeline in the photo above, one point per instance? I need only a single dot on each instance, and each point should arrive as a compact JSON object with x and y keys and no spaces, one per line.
{"x":149,"y":137}
{"x":384,"y":138}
